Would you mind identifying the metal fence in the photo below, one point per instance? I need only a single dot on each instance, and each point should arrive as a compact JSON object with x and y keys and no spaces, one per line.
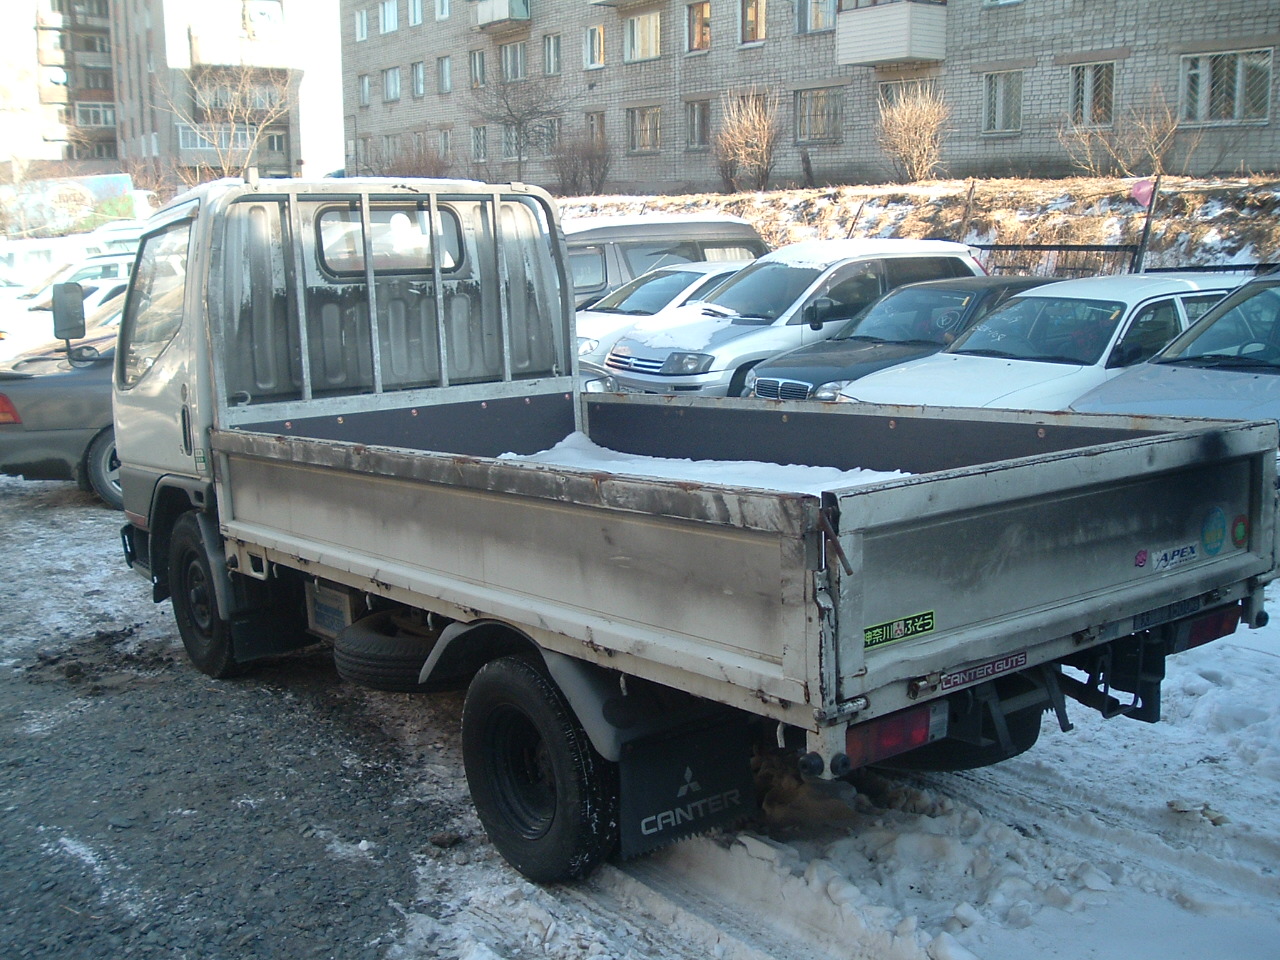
{"x":1057,"y":259}
{"x":1066,"y":260}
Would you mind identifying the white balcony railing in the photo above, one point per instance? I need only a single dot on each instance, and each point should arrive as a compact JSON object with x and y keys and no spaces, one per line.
{"x":493,"y":12}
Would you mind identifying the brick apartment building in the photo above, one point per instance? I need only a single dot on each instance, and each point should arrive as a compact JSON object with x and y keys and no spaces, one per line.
{"x":652,"y":78}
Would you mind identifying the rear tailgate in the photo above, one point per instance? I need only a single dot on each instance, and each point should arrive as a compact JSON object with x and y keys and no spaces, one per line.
{"x":964,"y":574}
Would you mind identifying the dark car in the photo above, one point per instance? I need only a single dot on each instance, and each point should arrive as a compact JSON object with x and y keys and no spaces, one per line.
{"x":905,"y":324}
{"x":55,"y":411}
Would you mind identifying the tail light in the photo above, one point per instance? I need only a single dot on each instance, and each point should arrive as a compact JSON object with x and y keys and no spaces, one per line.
{"x":1212,"y":625}
{"x":8,"y":412}
{"x":896,"y":733}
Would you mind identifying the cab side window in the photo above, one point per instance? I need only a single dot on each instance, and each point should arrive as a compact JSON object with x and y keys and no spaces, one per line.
{"x":154,"y":313}
{"x":850,"y":289}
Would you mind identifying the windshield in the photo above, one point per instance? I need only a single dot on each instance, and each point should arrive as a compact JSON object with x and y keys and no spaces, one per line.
{"x":766,"y":289}
{"x":911,"y":315}
{"x":1047,"y":329}
{"x":645,"y":295}
{"x":1243,"y":330}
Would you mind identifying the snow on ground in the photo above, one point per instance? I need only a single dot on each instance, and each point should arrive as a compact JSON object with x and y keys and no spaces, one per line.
{"x":1115,"y":841}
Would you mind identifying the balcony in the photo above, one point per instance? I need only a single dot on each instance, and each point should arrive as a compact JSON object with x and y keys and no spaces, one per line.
{"x":501,"y":13}
{"x":877,"y":32}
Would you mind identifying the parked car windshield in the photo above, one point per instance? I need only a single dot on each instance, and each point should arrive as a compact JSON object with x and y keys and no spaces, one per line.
{"x":766,"y":289}
{"x":911,"y":315}
{"x":645,"y":295}
{"x":1243,"y":331}
{"x":1047,"y":329}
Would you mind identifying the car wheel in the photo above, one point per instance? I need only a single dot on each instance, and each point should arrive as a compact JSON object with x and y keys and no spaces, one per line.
{"x":547,"y":799}
{"x":206,"y":635}
{"x":102,"y":469}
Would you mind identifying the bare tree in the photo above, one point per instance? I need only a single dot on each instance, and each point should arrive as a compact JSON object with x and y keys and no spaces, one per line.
{"x":1142,"y":141}
{"x":230,"y":112}
{"x":582,"y":162}
{"x":911,"y":128}
{"x":746,"y":144}
{"x":416,"y":159}
{"x":528,"y":114}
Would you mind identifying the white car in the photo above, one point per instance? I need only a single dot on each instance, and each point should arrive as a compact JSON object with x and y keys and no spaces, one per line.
{"x":796,"y":295}
{"x":1046,"y":348}
{"x":650,"y":296}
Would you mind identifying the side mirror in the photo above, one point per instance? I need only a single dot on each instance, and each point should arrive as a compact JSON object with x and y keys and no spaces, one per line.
{"x":816,"y":313}
{"x":68,"y":311}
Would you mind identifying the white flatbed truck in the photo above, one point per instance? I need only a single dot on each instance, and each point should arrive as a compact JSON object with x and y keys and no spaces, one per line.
{"x":316,"y":383}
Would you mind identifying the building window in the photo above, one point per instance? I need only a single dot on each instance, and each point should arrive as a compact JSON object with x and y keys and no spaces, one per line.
{"x":1092,"y":93}
{"x":389,"y":21}
{"x":642,"y":39}
{"x":816,"y":16}
{"x":697,"y":26}
{"x":97,"y":79}
{"x":751,"y":21}
{"x":593,"y":47}
{"x":644,"y":129}
{"x":362,"y":83}
{"x":101,"y":150}
{"x":362,"y":25}
{"x":1226,"y":87}
{"x":475,"y":60}
{"x":595,"y":127}
{"x":95,"y":43}
{"x":512,"y":58}
{"x":418,"y":78}
{"x":895,"y":91}
{"x":95,"y":115}
{"x":697,"y":124}
{"x":442,"y":9}
{"x":446,"y":143}
{"x":818,"y":115}
{"x":444,"y":74}
{"x":275,"y":142}
{"x":1002,"y":102}
{"x":390,"y":84}
{"x":390,"y":148}
{"x":510,"y":143}
{"x":479,"y":144}
{"x":546,"y":136}
{"x":551,"y":54}
{"x":415,"y":12}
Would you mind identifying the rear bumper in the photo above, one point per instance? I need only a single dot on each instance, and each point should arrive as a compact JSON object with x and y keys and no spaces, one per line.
{"x":43,"y":454}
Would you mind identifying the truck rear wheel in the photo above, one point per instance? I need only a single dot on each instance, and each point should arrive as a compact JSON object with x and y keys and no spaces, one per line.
{"x":547,"y":799}
{"x":205,"y":634}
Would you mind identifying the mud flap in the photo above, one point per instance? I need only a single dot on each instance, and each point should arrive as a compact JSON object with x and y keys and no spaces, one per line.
{"x":680,"y":784}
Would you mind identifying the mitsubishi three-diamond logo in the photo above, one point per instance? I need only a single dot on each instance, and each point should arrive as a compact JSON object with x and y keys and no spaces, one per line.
{"x":690,"y":785}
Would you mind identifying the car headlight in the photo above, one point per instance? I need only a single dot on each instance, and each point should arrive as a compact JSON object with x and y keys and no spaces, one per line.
{"x":586,"y":345}
{"x":686,"y":363}
{"x":830,"y":391}
{"x":749,"y":385}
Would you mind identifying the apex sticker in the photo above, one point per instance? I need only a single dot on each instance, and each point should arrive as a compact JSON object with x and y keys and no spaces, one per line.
{"x":895,"y":630}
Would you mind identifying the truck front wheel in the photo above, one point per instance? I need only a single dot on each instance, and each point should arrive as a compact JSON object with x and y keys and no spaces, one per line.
{"x":205,"y":634}
{"x":547,"y":799}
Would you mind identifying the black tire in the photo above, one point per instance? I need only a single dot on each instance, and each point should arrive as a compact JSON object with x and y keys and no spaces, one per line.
{"x":102,"y":469}
{"x":548,"y":801}
{"x":374,"y":652}
{"x":206,"y":636}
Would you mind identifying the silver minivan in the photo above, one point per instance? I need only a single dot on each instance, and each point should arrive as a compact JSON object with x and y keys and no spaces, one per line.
{"x":796,"y":295}
{"x":606,"y":252}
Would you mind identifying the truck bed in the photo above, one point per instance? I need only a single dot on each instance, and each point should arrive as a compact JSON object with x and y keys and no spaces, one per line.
{"x":1009,"y":538}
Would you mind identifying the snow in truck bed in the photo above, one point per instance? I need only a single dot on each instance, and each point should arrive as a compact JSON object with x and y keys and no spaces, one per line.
{"x":578,"y":452}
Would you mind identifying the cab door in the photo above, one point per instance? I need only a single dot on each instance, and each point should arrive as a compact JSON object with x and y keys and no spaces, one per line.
{"x":155,"y":375}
